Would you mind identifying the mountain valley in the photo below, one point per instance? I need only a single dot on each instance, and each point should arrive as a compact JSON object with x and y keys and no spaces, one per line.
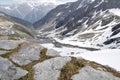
{"x":74,"y":41}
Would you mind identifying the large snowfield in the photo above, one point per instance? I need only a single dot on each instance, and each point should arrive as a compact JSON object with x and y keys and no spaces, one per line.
{"x":109,"y":57}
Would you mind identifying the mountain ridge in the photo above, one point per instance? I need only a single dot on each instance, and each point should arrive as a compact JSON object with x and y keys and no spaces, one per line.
{"x":77,"y":18}
{"x":30,"y":12}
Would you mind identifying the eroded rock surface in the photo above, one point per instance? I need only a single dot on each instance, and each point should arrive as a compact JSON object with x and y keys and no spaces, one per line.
{"x":50,"y":69}
{"x":89,"y":73}
{"x":3,"y":52}
{"x":8,"y":71}
{"x":3,"y":37}
{"x":9,"y":44}
{"x":44,"y":65}
{"x":51,"y":52}
{"x":27,"y":53}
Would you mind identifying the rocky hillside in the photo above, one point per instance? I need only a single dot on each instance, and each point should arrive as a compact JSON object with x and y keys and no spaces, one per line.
{"x":21,"y":59}
{"x":10,"y":28}
{"x":24,"y":60}
{"x":84,"y":21}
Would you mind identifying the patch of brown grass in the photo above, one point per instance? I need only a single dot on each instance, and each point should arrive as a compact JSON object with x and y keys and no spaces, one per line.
{"x":73,"y":67}
{"x":12,"y":38}
{"x":70,"y":69}
{"x":10,"y":52}
{"x":29,"y":67}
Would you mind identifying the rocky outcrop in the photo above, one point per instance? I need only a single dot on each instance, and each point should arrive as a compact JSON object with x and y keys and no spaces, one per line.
{"x":25,"y":60}
{"x":9,"y":44}
{"x":10,"y":28}
{"x":51,"y":52}
{"x":8,"y":71}
{"x":50,"y":69}
{"x":89,"y":73}
{"x":3,"y":52}
{"x":27,"y":53}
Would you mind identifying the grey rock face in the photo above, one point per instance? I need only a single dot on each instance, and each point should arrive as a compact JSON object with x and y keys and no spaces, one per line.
{"x":9,"y":44}
{"x":51,"y":52}
{"x":3,"y":52}
{"x":8,"y":71}
{"x":50,"y":69}
{"x":27,"y":53}
{"x":4,"y":38}
{"x":89,"y":73}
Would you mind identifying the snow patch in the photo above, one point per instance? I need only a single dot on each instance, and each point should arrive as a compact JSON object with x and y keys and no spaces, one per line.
{"x":115,"y":11}
{"x":99,"y":3}
{"x":65,"y":51}
{"x":7,"y":7}
{"x":110,"y":57}
{"x":59,"y":14}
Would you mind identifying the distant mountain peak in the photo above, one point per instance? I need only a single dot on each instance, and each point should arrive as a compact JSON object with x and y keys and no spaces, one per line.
{"x":30,"y":11}
{"x":42,"y":2}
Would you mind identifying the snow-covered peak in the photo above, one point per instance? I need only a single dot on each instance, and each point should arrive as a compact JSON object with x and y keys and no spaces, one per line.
{"x":115,"y":11}
{"x":7,"y":7}
{"x":41,"y":2}
{"x":29,"y":10}
{"x":92,"y":1}
{"x":84,"y":3}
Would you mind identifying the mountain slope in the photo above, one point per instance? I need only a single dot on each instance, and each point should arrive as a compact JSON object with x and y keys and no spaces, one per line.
{"x":83,"y":21}
{"x":11,"y":28}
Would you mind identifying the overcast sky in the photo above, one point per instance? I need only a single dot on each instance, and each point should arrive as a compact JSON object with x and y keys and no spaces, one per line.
{"x":42,"y":1}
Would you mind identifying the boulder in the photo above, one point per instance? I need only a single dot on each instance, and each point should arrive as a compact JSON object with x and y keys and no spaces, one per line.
{"x":9,"y":44}
{"x":8,"y":71}
{"x":3,"y":52}
{"x":52,"y":52}
{"x":27,"y":53}
{"x":50,"y":69}
{"x":89,"y":73}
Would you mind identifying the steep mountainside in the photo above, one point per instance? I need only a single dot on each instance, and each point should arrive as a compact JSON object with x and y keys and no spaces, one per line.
{"x":28,"y":11}
{"x":84,"y":21}
{"x":11,"y":28}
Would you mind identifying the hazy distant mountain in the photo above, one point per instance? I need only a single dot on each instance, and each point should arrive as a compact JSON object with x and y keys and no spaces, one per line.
{"x":28,"y":11}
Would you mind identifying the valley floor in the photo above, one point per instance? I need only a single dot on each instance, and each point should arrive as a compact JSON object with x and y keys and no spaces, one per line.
{"x":109,"y":57}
